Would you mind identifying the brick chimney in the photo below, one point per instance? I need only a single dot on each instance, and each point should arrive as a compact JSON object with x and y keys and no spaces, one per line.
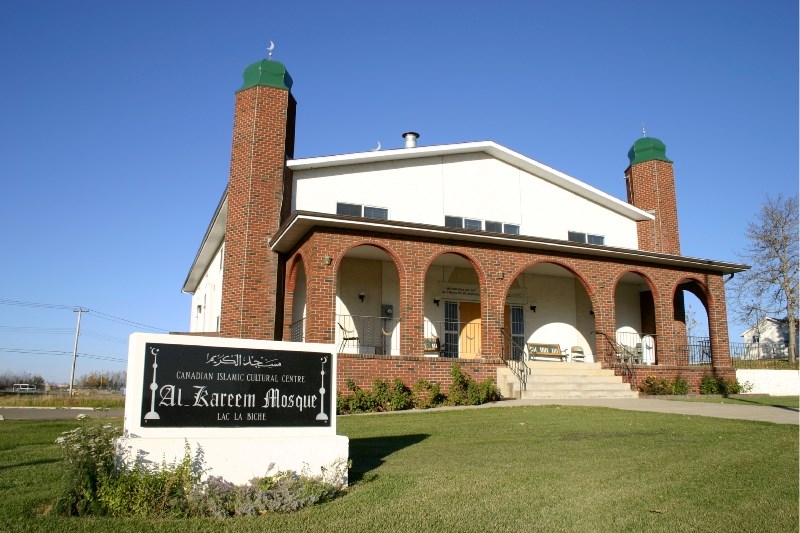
{"x":259,"y":197}
{"x":651,"y":187}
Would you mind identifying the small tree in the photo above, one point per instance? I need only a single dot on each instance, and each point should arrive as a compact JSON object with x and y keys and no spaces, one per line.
{"x":770,"y":287}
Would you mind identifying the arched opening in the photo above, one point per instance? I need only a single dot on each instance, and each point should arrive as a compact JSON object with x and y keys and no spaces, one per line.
{"x":367,"y":300}
{"x":297,"y":286}
{"x":452,"y":307}
{"x":690,"y":318}
{"x":548,"y":305}
{"x":635,"y":315}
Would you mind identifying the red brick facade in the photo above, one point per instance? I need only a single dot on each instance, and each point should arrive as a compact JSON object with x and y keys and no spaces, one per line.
{"x":497,"y":268}
{"x":263,"y":137}
{"x":651,"y":187}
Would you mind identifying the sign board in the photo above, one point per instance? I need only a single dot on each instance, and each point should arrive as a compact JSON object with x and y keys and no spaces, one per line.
{"x":243,"y":405}
{"x":213,"y":386}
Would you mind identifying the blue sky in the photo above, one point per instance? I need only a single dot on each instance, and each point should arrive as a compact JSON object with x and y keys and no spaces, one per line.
{"x":115,"y":126}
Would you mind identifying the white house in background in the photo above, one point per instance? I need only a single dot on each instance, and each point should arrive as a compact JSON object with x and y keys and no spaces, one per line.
{"x":767,"y":339}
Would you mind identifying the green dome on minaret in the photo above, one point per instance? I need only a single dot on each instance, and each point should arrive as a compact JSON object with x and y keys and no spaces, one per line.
{"x":266,"y":73}
{"x":648,"y":149}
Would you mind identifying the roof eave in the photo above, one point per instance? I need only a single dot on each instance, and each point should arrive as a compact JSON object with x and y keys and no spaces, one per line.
{"x":212,"y":240}
{"x":302,"y":222}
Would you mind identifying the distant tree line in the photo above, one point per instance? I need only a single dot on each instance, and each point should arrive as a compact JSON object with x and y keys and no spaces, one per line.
{"x":103,"y":380}
{"x":8,"y":379}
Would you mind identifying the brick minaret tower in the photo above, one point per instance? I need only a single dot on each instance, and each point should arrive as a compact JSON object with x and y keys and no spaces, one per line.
{"x":651,"y":187}
{"x":258,"y":196}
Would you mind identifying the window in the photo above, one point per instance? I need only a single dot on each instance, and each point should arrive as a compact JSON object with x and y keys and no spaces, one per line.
{"x":348,"y":209}
{"x":453,"y":222}
{"x":496,"y":227}
{"x":576,"y":236}
{"x":355,"y":210}
{"x":376,"y":212}
{"x":517,"y":333}
{"x":473,"y":224}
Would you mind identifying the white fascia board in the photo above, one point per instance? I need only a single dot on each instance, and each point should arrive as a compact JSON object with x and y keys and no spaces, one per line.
{"x":212,"y":240}
{"x":491,"y":148}
{"x":303,"y":222}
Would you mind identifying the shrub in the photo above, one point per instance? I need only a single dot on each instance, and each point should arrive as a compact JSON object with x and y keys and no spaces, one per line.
{"x":653,"y":385}
{"x":720,"y":385}
{"x":709,"y":385}
{"x":680,"y":386}
{"x":401,"y":397}
{"x":427,"y":395}
{"x":464,"y":391}
{"x":88,"y":452}
{"x":95,"y":487}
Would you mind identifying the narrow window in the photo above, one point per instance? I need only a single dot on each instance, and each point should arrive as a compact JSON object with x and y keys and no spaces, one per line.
{"x":348,"y":209}
{"x":470,"y":223}
{"x":575,"y":236}
{"x":511,"y":229}
{"x":596,"y":239}
{"x":496,"y":227}
{"x":376,"y":212}
{"x":453,"y":222}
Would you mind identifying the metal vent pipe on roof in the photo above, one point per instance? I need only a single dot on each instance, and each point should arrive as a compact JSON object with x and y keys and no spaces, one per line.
{"x":411,"y":139}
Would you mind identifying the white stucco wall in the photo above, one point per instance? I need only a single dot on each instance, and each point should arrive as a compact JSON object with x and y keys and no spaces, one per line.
{"x":473,"y":185}
{"x":773,"y":382}
{"x":207,"y":299}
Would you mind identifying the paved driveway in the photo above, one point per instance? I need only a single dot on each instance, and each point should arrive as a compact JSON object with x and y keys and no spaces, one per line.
{"x":56,"y":413}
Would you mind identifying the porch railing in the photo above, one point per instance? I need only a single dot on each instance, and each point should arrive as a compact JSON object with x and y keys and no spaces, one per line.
{"x":453,"y":339}
{"x":620,"y":357}
{"x":629,"y":346}
{"x":697,"y":350}
{"x":368,"y":335}
{"x":515,"y":360}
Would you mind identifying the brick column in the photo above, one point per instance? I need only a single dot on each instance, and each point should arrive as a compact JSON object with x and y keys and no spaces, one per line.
{"x":263,"y":137}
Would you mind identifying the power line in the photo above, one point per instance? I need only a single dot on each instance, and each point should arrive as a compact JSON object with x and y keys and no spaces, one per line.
{"x":29,"y":351}
{"x":99,"y":314}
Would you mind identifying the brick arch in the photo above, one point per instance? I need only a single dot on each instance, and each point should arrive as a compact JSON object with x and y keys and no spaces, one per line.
{"x":296,"y":260}
{"x":566,"y":266}
{"x":398,"y":263}
{"x":696,"y":287}
{"x":476,"y":265}
{"x":648,"y":280}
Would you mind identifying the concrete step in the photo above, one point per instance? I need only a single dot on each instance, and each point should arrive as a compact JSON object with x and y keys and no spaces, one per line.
{"x":574,"y":378}
{"x":538,"y":395}
{"x":554,"y":379}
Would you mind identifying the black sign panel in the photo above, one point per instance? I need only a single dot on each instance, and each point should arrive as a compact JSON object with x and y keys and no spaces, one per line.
{"x":206,"y":386}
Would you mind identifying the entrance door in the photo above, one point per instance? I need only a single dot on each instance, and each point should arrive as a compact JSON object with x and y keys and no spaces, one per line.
{"x":470,"y":337}
{"x":514,"y":320}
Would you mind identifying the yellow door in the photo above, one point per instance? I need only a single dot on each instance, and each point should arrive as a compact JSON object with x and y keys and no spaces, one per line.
{"x":470,"y":334}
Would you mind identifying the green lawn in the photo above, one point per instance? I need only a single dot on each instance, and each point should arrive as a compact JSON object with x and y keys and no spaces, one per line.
{"x":496,"y":469}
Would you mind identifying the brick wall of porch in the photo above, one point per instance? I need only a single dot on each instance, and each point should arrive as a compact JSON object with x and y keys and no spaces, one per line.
{"x":496,"y":270}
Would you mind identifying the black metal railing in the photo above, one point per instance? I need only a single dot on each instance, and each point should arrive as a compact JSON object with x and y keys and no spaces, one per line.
{"x":514,"y":359}
{"x":697,"y":350}
{"x":620,"y":358}
{"x":368,"y":335}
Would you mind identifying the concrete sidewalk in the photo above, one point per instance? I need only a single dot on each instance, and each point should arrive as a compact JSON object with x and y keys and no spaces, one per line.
{"x":760,"y":413}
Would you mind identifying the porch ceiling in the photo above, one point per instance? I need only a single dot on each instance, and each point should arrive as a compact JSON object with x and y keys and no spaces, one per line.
{"x":302,"y":222}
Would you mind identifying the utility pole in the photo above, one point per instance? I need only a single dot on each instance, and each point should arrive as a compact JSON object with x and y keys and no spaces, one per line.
{"x":80,"y":311}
